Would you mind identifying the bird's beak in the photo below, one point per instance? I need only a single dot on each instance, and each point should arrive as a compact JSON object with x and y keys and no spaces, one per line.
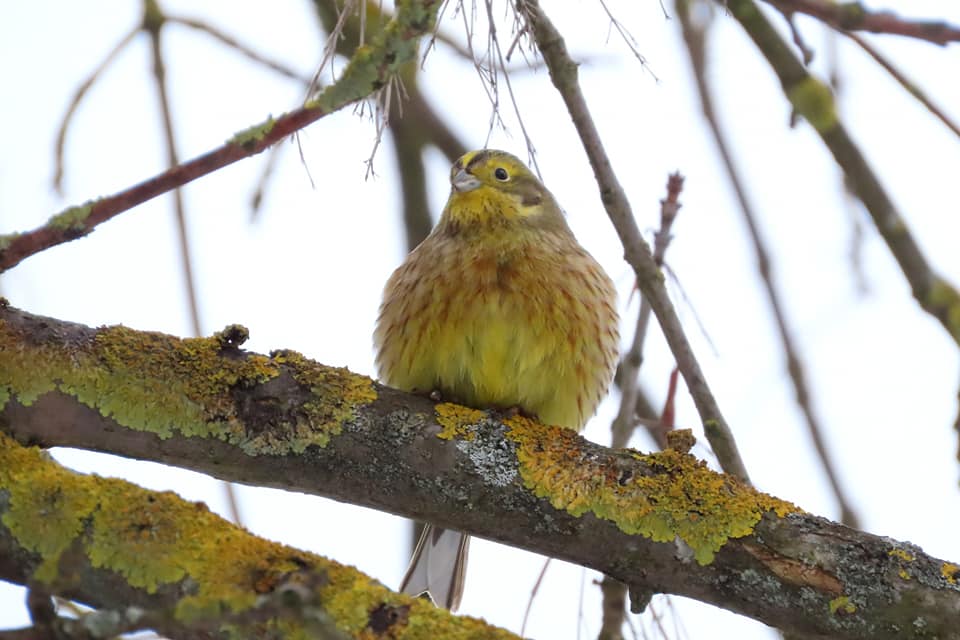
{"x":463,"y":181}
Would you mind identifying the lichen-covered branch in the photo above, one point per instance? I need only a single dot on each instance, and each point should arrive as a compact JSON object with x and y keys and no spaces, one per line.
{"x":812,"y":100}
{"x":661,"y":522}
{"x":854,"y":16}
{"x":370,"y":68}
{"x":170,"y":565}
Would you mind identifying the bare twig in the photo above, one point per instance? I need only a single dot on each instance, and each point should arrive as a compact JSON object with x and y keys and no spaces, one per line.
{"x":625,"y":421}
{"x":153,"y":22}
{"x":499,"y":63}
{"x":694,"y":37}
{"x":78,"y":98}
{"x":628,"y":39}
{"x":393,"y":47}
{"x":853,"y":16}
{"x":635,"y":408}
{"x":533,"y":594}
{"x":241,"y":48}
{"x":905,"y":82}
{"x":563,"y":73}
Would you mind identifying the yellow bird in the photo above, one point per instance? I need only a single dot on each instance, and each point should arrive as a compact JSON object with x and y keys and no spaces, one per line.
{"x":499,"y":307}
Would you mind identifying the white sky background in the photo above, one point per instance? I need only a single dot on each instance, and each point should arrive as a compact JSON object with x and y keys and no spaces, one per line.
{"x":308,"y":273}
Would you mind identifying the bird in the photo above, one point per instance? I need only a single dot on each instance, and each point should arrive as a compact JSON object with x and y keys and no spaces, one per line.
{"x":498,"y":308}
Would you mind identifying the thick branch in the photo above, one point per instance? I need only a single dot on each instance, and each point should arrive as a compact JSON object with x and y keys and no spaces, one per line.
{"x":152,"y":560}
{"x":284,"y":421}
{"x":369,"y":69}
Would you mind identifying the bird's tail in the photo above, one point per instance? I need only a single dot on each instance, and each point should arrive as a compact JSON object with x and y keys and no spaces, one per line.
{"x":438,"y":567}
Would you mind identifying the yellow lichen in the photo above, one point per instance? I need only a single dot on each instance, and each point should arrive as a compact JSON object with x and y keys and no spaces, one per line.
{"x":902,"y":554}
{"x":337,"y":393}
{"x":42,"y":514}
{"x":427,"y":622}
{"x":248,"y":138}
{"x":154,"y":540}
{"x":72,"y":219}
{"x":456,"y":420}
{"x":166,"y":385}
{"x":949,"y":571}
{"x":842,"y":604}
{"x":151,"y":539}
{"x":681,"y":498}
{"x":944,"y":301}
{"x":813,"y":100}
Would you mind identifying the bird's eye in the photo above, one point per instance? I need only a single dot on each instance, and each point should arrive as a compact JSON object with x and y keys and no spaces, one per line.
{"x":501,"y":174}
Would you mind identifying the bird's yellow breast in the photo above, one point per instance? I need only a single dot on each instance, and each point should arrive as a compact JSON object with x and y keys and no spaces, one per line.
{"x":505,"y":318}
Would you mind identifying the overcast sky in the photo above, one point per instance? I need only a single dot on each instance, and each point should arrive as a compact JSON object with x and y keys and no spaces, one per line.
{"x":308,"y":273}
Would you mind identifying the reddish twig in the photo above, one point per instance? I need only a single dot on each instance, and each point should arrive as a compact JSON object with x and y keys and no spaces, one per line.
{"x":853,"y":16}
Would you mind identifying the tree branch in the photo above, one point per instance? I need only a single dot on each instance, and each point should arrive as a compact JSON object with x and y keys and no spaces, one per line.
{"x":812,"y":100}
{"x":853,"y":16}
{"x":287,"y":422}
{"x":369,"y":69}
{"x":156,"y":561}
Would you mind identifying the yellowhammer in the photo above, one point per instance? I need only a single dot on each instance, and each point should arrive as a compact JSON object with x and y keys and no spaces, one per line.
{"x":500,"y":307}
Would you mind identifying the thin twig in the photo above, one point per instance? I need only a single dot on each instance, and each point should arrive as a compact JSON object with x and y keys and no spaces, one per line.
{"x":153,"y":24}
{"x":501,"y":65}
{"x":624,"y":423}
{"x":563,"y":73}
{"x":239,"y":47}
{"x":905,"y":82}
{"x":853,"y":16}
{"x":628,"y":39}
{"x":533,"y":594}
{"x":850,"y":203}
{"x":75,"y":102}
{"x":694,"y":37}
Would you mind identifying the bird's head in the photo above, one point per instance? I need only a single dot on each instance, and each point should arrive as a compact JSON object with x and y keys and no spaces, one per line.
{"x":494,"y":189}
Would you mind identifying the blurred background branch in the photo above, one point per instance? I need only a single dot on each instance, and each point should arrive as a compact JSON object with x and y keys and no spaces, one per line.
{"x":854,"y":16}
